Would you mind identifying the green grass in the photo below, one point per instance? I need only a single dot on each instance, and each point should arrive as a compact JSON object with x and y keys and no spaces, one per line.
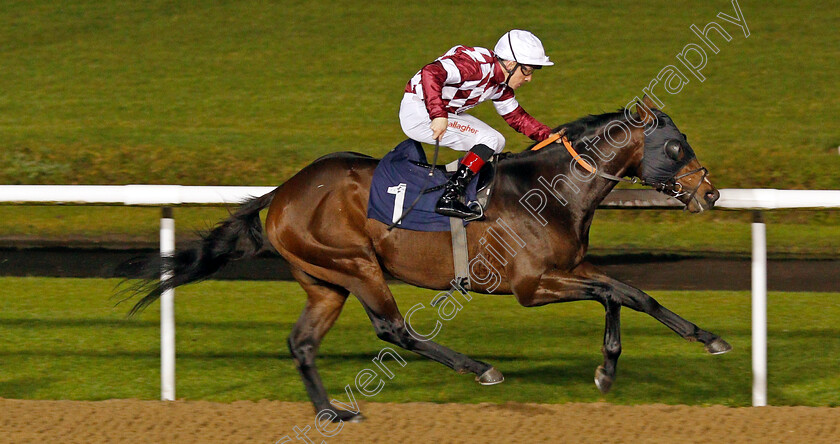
{"x":64,"y":339}
{"x":790,"y":234}
{"x":247,"y":93}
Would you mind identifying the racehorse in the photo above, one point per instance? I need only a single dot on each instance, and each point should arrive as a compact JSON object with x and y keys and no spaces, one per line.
{"x":317,"y":221}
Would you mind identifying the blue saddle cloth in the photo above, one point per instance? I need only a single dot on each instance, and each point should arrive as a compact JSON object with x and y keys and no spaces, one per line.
{"x":398,"y":180}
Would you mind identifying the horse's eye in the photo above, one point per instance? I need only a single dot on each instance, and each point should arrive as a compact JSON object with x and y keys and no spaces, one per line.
{"x":673,"y":149}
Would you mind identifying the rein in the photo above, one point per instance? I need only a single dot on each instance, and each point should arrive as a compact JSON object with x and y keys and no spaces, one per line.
{"x":553,"y":138}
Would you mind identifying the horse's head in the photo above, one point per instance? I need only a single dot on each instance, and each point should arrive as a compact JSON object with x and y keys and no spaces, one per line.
{"x":669,"y":164}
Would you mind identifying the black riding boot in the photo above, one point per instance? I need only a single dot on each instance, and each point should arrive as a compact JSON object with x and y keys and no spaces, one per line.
{"x":451,"y":203}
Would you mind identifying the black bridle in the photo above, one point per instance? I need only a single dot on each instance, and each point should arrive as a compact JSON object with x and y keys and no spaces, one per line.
{"x":674,"y":188}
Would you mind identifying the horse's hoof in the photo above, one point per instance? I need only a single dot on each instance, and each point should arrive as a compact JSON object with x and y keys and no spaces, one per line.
{"x":355,"y":418}
{"x":718,"y":347}
{"x":490,"y":377}
{"x":602,"y":381}
{"x":346,"y":416}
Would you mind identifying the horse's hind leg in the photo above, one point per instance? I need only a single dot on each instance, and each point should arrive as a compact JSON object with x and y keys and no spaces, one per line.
{"x":390,"y":326}
{"x":323,"y":305}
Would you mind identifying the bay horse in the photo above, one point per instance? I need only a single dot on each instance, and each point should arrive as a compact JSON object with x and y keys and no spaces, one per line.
{"x":317,"y":221}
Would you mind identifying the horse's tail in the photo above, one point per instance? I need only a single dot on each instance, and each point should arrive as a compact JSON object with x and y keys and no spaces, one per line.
{"x":237,"y":237}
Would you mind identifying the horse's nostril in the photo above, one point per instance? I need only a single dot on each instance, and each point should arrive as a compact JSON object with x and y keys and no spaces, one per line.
{"x":712,"y":196}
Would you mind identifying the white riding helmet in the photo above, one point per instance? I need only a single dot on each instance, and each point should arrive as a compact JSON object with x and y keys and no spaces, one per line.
{"x":522,"y":47}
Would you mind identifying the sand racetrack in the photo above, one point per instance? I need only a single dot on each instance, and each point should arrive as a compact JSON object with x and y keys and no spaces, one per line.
{"x":268,"y":422}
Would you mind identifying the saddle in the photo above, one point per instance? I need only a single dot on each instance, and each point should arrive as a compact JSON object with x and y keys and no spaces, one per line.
{"x":403,"y":174}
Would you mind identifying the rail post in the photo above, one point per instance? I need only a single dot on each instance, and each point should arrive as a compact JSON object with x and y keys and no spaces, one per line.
{"x":167,"y":307}
{"x":759,"y":310}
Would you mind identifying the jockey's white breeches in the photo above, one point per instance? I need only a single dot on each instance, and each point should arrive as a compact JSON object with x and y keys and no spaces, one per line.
{"x":464,"y":131}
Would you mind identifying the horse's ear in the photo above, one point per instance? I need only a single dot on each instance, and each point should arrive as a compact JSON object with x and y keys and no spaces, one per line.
{"x":649,"y":103}
{"x":644,"y":111}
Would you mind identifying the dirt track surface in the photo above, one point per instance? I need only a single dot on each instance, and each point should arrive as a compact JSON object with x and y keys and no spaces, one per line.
{"x":268,"y":422}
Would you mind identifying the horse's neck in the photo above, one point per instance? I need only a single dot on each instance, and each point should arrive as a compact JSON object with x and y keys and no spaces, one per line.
{"x":609,"y":160}
{"x":625,"y":161}
{"x":596,"y":190}
{"x":581,"y":191}
{"x":548,"y":174}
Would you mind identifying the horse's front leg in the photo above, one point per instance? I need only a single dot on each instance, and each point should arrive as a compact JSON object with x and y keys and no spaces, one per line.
{"x":605,"y":374}
{"x":638,"y":300}
{"x":556,"y":287}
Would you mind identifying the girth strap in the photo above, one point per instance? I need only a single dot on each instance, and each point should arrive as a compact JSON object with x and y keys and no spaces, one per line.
{"x":460,"y":253}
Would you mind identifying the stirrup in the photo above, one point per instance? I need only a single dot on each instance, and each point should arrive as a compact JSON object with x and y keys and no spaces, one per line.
{"x":474,"y":205}
{"x":468,"y":213}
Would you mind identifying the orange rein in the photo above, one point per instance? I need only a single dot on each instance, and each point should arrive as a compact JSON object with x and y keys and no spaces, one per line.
{"x":553,"y":138}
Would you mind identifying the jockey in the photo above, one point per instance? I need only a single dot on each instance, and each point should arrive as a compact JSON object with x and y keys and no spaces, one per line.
{"x":437,"y":96}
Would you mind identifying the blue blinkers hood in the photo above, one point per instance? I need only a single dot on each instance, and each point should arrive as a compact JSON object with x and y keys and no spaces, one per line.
{"x":657,"y":166}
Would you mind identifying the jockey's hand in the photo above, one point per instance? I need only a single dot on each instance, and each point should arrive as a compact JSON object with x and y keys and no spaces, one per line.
{"x":560,"y":133}
{"x":438,"y":127}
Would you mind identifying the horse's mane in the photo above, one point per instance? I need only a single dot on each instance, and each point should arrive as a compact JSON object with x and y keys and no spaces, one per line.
{"x":586,"y":126}
{"x":590,"y":125}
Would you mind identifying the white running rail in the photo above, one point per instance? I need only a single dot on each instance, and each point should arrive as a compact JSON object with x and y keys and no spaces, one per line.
{"x":172,"y":195}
